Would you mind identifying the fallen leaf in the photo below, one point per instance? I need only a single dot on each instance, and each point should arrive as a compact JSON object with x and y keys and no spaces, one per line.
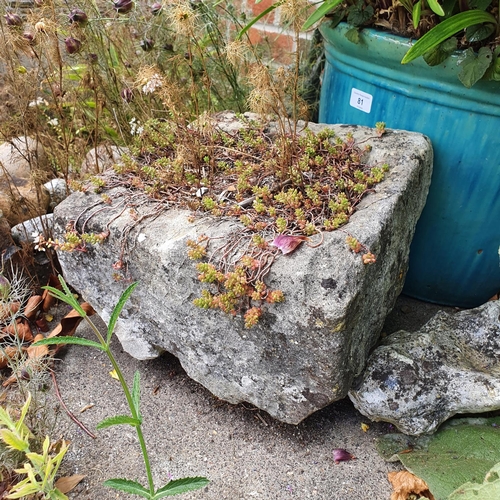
{"x":41,"y":323}
{"x":20,"y":329}
{"x":8,"y":310}
{"x":68,"y":324}
{"x":66,"y":484}
{"x":288,"y":243}
{"x":37,"y":351}
{"x":32,"y":307}
{"x":87,"y":407}
{"x":341,"y":455}
{"x":364,"y":427}
{"x":405,"y":484}
{"x":56,"y":446}
{"x":462,"y":450}
{"x":114,"y":374}
{"x":48,"y":317}
{"x":8,"y":353}
{"x":48,"y":300}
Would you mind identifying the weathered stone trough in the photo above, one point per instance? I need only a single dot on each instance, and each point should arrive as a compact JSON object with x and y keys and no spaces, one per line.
{"x":305,"y":352}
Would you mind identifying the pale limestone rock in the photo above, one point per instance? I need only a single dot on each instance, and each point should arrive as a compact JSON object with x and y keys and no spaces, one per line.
{"x":101,"y":158}
{"x":305,"y":352}
{"x":23,"y":169}
{"x":420,"y":379}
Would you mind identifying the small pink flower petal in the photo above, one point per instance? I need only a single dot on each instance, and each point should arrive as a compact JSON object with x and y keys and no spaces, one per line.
{"x":287,"y":243}
{"x":341,"y":455}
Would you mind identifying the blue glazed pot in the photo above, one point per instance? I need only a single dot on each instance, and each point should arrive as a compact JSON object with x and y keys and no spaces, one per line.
{"x":454,"y":257}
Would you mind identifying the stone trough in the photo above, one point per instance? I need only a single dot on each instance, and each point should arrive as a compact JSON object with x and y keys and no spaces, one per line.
{"x":305,"y":352}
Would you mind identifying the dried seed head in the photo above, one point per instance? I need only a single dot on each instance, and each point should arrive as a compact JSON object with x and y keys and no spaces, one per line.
{"x":13,"y":20}
{"x":29,"y":37}
{"x":156,"y":8}
{"x":259,"y":76}
{"x":73,"y":45}
{"x":123,"y":6}
{"x":237,"y":51}
{"x":147,"y":44}
{"x":261,"y":101}
{"x":126,"y":94}
{"x":41,"y":26}
{"x":78,"y":16}
{"x":182,"y":17}
{"x":294,"y":13}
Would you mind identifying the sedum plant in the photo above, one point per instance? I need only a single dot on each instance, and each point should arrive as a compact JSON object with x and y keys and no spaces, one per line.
{"x":132,"y":395}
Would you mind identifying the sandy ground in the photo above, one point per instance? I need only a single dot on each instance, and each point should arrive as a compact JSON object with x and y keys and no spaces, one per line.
{"x":242,"y":450}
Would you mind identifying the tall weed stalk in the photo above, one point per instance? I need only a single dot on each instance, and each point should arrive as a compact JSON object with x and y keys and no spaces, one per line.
{"x":132,"y":395}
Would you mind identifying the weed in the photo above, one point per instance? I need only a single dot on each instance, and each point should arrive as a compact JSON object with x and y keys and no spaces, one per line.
{"x":40,"y":469}
{"x":132,"y":396}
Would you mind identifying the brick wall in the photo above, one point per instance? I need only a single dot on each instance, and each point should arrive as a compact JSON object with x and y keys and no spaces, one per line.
{"x":270,"y":32}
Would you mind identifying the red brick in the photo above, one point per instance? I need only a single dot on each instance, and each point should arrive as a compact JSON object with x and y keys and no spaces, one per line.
{"x":279,"y":46}
{"x":256,"y":8}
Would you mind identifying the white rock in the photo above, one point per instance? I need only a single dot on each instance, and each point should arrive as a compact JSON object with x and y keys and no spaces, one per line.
{"x":304,"y":353}
{"x":420,"y":379}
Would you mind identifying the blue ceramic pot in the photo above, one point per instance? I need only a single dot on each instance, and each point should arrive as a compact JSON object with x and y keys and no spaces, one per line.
{"x":455,"y":254}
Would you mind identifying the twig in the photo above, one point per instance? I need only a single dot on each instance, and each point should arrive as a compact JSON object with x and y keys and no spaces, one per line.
{"x":70,"y":415}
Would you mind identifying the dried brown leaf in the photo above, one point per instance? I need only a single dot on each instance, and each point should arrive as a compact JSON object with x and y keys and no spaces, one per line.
{"x":68,"y":324}
{"x":8,"y":310}
{"x":20,"y":329}
{"x":405,"y":484}
{"x":6,"y":354}
{"x":49,"y":300}
{"x":66,"y":484}
{"x":32,"y":307}
{"x":39,"y":351}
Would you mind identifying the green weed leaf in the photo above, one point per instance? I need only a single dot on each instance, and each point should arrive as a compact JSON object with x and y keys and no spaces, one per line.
{"x":479,"y":32}
{"x":136,"y":392}
{"x":359,"y":13}
{"x":55,"y":494}
{"x":435,"y":7}
{"x":463,"y":450}
{"x":70,"y":340}
{"x":14,"y":441}
{"x":446,"y":29}
{"x":118,"y":309}
{"x":353,"y":35}
{"x":66,"y":297}
{"x":256,"y":19}
{"x":118,"y":420}
{"x":493,"y":72}
{"x":416,"y":13}
{"x":321,"y":12}
{"x":179,"y":486}
{"x":474,"y":67}
{"x":23,"y":490}
{"x":440,"y":53}
{"x":488,"y":490}
{"x":128,"y":486}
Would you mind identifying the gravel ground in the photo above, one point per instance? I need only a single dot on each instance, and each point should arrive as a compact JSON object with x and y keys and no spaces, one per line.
{"x":242,"y":450}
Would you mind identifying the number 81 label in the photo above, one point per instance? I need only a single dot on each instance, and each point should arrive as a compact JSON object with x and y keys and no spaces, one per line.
{"x":361,"y":100}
